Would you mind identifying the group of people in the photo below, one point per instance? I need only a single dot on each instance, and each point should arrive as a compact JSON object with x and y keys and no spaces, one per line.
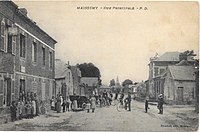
{"x":159,"y":105}
{"x":91,"y":103}
{"x":60,"y":104}
{"x":25,"y":107}
{"x":126,"y":102}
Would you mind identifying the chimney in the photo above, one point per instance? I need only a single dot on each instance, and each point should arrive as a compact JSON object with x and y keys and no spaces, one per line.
{"x":23,"y":11}
{"x":182,"y":56}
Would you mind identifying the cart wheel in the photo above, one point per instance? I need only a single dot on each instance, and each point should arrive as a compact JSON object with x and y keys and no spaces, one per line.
{"x":83,"y":106}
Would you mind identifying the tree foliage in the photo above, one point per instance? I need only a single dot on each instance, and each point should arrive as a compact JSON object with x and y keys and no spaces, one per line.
{"x":112,"y":82}
{"x":127,"y":82}
{"x":90,"y":70}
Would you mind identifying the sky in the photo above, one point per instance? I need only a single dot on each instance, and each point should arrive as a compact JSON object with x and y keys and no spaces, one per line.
{"x":118,"y":42}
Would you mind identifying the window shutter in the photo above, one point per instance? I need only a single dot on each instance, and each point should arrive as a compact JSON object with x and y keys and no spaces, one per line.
{"x":1,"y":91}
{"x":13,"y":90}
{"x":14,"y":39}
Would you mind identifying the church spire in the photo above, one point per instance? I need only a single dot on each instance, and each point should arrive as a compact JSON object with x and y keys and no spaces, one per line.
{"x":117,"y":81}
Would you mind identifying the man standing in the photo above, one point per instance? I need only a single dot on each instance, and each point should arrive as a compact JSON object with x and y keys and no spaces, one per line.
{"x":160,"y":104}
{"x":129,"y":101}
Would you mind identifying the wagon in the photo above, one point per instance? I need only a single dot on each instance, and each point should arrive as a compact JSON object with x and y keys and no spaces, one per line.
{"x":81,"y":102}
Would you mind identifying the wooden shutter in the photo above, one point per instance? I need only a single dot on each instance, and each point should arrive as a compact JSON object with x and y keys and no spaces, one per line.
{"x":14,"y":39}
{"x":12,"y":90}
{"x":1,"y":90}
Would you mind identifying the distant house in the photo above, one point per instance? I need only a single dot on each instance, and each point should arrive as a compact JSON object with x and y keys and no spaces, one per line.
{"x":90,"y":84}
{"x":63,"y":78}
{"x":103,"y":88}
{"x":179,"y":84}
{"x":158,"y":66}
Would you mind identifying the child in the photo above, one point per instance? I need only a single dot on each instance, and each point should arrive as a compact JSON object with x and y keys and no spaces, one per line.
{"x":20,"y":107}
{"x":88,"y":106}
{"x":67,"y":103}
{"x":13,"y":110}
{"x":28,"y":109}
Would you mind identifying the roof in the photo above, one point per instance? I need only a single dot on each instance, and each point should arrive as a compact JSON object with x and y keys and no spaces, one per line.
{"x":185,"y":73}
{"x":60,"y":68}
{"x":168,"y":56}
{"x":30,"y":21}
{"x":90,"y":81}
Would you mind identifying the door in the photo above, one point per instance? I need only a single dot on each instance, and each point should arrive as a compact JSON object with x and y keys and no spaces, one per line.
{"x":180,"y":94}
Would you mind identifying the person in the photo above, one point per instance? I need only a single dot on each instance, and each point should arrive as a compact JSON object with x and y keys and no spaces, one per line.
{"x":61,"y":101}
{"x":67,"y":103}
{"x":20,"y":107}
{"x":64,"y":105}
{"x":146,"y":105}
{"x":129,"y":102}
{"x":52,"y":103}
{"x":116,"y":96}
{"x":88,"y":104}
{"x":13,"y":110}
{"x":33,"y":108}
{"x":28,"y":109}
{"x":160,"y":104}
{"x":36,"y":104}
{"x":93,"y":103}
{"x":121,"y":98}
{"x":58,"y":104}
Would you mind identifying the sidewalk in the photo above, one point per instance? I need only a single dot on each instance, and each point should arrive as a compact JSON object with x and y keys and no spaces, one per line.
{"x":42,"y":121}
{"x":177,"y":115}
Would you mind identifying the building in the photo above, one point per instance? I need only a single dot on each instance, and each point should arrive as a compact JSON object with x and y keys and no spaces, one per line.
{"x":63,"y":78}
{"x":90,"y":85}
{"x":158,"y":66}
{"x":76,"y":75}
{"x":26,"y":58}
{"x":103,"y":88}
{"x":179,"y":85}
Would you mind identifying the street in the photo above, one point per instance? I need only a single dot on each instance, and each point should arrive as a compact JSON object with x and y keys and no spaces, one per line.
{"x":108,"y":118}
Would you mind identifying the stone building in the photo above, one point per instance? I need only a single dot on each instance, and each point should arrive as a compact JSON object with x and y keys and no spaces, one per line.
{"x":26,"y":58}
{"x":158,"y":66}
{"x":63,"y":78}
{"x":179,"y":85}
{"x":90,"y":85}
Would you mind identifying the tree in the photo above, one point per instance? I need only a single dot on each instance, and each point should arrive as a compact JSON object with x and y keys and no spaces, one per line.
{"x":90,"y":70}
{"x":112,"y":82}
{"x":127,"y":82}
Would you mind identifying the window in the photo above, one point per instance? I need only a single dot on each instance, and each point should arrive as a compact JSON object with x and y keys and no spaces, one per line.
{"x":3,"y":40}
{"x":50,"y":59}
{"x":22,"y":86}
{"x":34,"y":52}
{"x":6,"y":92}
{"x":22,"y":46}
{"x":11,"y":44}
{"x":156,"y":71}
{"x":162,"y":71}
{"x":43,"y":56}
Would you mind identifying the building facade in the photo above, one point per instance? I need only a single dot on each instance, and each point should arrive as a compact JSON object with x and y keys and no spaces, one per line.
{"x":90,"y":85}
{"x":158,"y":66}
{"x":26,"y":57}
{"x":179,"y":85}
{"x":63,"y":78}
